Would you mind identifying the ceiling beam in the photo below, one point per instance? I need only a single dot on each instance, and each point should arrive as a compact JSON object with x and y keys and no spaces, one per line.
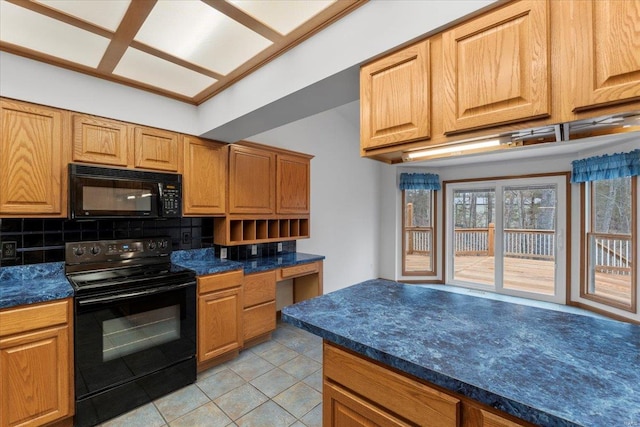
{"x":247,"y":20}
{"x":129,"y":26}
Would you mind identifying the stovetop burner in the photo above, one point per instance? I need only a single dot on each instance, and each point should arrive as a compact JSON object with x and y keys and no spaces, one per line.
{"x":116,"y":265}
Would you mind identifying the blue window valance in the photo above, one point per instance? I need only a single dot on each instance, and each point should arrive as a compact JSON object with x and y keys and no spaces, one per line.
{"x":609,"y":166}
{"x":419,"y":181}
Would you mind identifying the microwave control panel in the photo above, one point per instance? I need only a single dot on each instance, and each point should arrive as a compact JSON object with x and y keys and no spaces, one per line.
{"x":171,"y":204}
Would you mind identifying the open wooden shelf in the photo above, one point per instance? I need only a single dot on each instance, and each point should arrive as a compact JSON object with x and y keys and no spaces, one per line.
{"x":242,"y":231}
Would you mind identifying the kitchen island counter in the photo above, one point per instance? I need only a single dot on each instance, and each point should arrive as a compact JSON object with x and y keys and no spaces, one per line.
{"x":550,"y":368}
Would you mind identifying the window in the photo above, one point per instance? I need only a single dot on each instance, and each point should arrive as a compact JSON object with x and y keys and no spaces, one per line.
{"x":418,"y":239}
{"x":508,"y":236}
{"x":609,"y":242}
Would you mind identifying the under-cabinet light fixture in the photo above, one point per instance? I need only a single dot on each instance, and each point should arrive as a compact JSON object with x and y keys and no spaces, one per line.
{"x":452,"y":150}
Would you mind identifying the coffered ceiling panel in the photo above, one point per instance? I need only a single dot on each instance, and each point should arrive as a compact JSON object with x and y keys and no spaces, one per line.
{"x":185,"y":49}
{"x":52,"y":37}
{"x":283,"y":15}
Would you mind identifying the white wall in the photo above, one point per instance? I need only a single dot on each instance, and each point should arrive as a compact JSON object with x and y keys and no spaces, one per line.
{"x":40,"y":83}
{"x":344,"y":194}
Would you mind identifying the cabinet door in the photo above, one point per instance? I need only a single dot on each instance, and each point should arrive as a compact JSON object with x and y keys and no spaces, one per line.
{"x":204,"y":177}
{"x":32,"y":161}
{"x":293,"y":181}
{"x":496,"y":67}
{"x":156,"y":149}
{"x":343,"y":409}
{"x":607,"y":51}
{"x":97,"y":140}
{"x":219,"y":323}
{"x":395,"y":98}
{"x":34,"y":377}
{"x":252,"y":175}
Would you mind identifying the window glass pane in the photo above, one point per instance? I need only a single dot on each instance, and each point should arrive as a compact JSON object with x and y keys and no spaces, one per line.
{"x":529,"y":218}
{"x":610,"y":243}
{"x":612,"y":206}
{"x":418,"y":231}
{"x":473,"y":257}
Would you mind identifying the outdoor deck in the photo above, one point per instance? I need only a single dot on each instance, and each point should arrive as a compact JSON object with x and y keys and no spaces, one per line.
{"x":524,"y":274}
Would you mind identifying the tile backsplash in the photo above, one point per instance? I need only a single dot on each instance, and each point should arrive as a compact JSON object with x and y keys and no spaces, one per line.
{"x":43,"y":240}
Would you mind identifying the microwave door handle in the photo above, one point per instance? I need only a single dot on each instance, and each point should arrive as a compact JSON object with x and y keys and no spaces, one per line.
{"x":119,"y":297}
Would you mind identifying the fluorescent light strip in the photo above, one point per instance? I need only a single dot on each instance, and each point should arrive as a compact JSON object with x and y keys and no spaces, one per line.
{"x":453,"y":149}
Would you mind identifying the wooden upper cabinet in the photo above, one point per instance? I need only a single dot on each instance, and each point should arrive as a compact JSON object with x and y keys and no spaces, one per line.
{"x":252,"y":174}
{"x":101,"y":141}
{"x":606,"y":40}
{"x":395,"y":98}
{"x":497,"y":67}
{"x":204,"y":178}
{"x":156,"y":149}
{"x":32,"y":160}
{"x":293,"y":184}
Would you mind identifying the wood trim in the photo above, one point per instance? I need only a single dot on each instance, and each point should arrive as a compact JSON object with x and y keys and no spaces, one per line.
{"x":131,"y":23}
{"x":276,"y":150}
{"x":245,"y":19}
{"x":322,"y":20}
{"x":175,"y":60}
{"x":63,"y":17}
{"x":603,"y":312}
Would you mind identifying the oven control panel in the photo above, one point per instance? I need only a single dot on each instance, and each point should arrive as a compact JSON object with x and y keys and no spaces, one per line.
{"x":111,"y":250}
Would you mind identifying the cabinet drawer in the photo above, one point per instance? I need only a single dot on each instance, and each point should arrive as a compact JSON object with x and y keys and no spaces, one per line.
{"x":28,"y":318}
{"x":259,"y":288}
{"x":216,"y":282}
{"x":259,"y":320}
{"x":297,"y":270}
{"x":401,"y":395}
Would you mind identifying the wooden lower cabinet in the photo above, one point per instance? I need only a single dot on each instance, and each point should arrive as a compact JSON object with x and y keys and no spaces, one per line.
{"x":259,"y":305}
{"x":219,"y":315}
{"x":36,"y":364}
{"x":361,"y":392}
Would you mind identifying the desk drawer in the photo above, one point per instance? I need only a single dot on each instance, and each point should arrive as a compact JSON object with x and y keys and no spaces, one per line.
{"x":298,"y":270}
{"x":259,"y":288}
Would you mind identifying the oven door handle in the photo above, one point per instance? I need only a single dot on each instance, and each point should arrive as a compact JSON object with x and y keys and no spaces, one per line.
{"x":111,"y":298}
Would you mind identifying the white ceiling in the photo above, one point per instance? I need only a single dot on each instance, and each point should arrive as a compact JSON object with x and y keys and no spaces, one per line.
{"x":185,"y":49}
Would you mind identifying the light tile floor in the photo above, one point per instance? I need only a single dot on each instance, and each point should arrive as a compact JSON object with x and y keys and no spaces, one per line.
{"x":276,"y":383}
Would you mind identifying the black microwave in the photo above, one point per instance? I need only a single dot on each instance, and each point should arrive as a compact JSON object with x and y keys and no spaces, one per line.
{"x":97,"y":193}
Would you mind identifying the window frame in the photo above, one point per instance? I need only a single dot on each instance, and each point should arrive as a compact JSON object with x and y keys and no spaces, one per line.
{"x":433,"y":228}
{"x":586,"y":226}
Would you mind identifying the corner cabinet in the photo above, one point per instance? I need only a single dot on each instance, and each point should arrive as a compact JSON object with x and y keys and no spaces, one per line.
{"x":36,"y":364}
{"x":605,"y":37}
{"x":394,"y":98}
{"x":497,"y":67}
{"x":205,"y":177}
{"x":220,"y":310}
{"x":33,"y":159}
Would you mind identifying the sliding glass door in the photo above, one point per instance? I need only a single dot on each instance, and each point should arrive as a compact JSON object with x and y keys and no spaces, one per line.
{"x":508,"y":236}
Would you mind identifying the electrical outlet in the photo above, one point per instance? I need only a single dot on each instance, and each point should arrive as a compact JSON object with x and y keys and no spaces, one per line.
{"x":254,"y":249}
{"x":8,"y":250}
{"x":279,"y":246}
{"x":223,"y":253}
{"x":186,"y":237}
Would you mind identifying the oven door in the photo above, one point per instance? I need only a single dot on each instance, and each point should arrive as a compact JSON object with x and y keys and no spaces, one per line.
{"x":140,"y":344}
{"x":97,"y":197}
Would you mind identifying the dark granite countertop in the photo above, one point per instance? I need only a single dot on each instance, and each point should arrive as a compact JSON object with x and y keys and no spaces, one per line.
{"x":31,"y":284}
{"x":203,"y":261}
{"x":551,"y":368}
